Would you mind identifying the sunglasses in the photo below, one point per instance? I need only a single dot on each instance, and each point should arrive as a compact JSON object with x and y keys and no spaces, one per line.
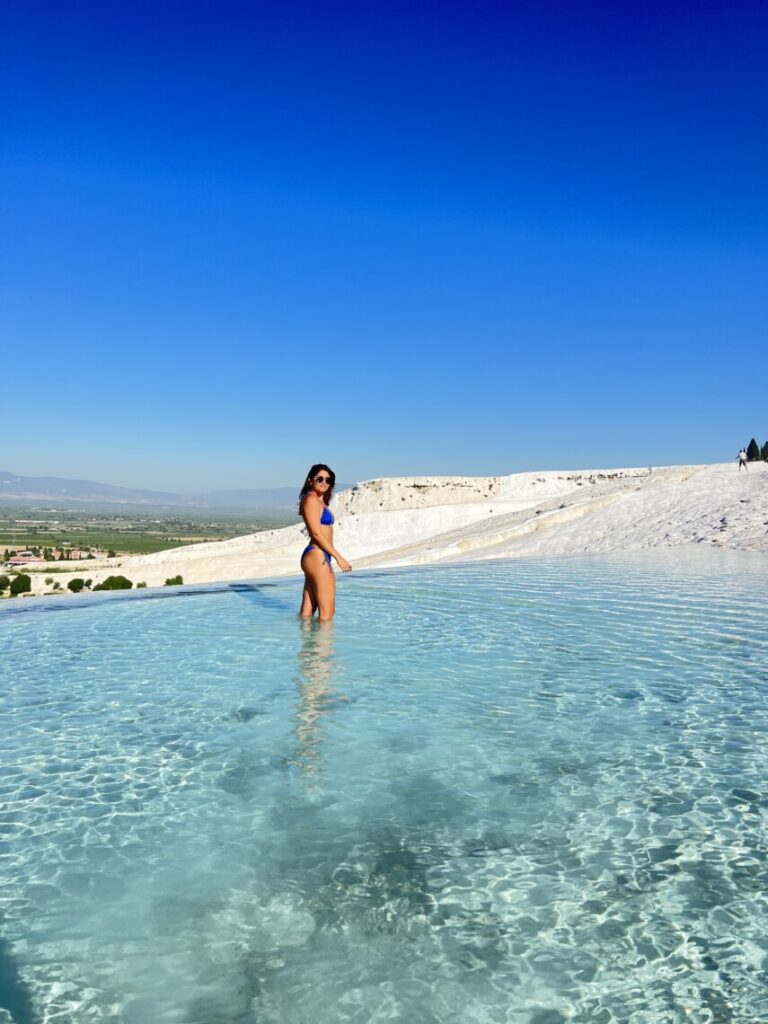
{"x":322,"y":479}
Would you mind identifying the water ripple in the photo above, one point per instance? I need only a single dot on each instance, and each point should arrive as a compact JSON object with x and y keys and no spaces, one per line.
{"x":527,"y":791}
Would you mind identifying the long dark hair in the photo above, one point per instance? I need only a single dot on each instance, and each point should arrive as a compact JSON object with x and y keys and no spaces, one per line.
{"x":317,"y":468}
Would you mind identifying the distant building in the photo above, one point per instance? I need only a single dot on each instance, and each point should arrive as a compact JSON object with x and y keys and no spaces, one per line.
{"x":74,"y":554}
{"x":23,"y":558}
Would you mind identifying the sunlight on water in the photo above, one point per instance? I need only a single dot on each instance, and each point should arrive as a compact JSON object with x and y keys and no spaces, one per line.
{"x":529,"y":791}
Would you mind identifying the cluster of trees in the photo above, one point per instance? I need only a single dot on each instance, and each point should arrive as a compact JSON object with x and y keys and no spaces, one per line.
{"x":77,"y":584}
{"x":755,"y":453}
{"x":21,"y":583}
{"x":115,"y":583}
{"x":123,"y":583}
{"x":65,"y":554}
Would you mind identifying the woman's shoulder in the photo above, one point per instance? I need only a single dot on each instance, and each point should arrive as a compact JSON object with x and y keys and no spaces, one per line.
{"x":305,"y":497}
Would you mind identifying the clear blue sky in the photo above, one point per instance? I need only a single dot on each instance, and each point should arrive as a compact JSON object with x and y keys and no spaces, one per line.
{"x":400,"y":238}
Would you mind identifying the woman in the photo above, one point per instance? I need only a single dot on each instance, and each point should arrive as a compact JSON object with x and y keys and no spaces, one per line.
{"x":319,"y":581}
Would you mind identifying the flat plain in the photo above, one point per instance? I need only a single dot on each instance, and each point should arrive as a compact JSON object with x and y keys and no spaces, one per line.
{"x":135,"y":530}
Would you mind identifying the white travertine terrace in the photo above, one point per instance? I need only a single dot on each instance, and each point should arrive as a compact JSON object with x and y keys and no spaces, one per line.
{"x":426,"y":520}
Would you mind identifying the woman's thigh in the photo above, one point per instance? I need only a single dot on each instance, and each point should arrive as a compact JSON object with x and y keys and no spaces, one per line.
{"x":308,"y":599}
{"x":321,"y":582}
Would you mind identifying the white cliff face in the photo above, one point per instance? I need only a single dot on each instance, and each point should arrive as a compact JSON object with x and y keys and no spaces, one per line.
{"x":418,"y":521}
{"x":427,"y":492}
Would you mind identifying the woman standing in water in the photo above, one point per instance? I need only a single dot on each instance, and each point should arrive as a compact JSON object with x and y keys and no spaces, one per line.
{"x":319,"y":581}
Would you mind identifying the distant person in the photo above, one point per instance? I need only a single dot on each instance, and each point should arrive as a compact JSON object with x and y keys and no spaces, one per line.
{"x":742,"y":457}
{"x":319,"y":580}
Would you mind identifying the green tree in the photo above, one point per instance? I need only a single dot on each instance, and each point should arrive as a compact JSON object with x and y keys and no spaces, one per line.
{"x":21,"y":584}
{"x":753,"y":452}
{"x":76,"y":585}
{"x":174,"y":581}
{"x":4,"y":583}
{"x":114,"y":583}
{"x":764,"y":452}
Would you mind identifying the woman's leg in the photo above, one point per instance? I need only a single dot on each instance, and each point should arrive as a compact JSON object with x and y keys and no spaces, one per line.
{"x":308,"y":598}
{"x":308,"y":605}
{"x":321,"y":585}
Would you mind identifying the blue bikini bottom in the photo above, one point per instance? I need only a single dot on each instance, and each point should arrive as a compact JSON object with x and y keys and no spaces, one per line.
{"x":326,"y":556}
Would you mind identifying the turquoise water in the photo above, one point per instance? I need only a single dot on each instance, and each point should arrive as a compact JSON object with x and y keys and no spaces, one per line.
{"x":529,"y":791}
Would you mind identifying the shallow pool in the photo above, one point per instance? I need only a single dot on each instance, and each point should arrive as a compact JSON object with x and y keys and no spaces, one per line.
{"x":529,"y":791}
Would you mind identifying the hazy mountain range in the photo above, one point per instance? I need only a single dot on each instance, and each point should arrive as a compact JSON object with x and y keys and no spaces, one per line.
{"x":14,"y":488}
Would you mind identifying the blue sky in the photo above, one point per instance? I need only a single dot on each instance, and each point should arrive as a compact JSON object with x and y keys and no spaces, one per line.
{"x":415,"y":238}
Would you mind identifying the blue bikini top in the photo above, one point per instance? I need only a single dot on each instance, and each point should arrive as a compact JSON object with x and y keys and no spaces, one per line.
{"x":327,"y":516}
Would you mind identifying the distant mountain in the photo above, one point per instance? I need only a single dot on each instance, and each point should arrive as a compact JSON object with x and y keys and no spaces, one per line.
{"x":54,"y":488}
{"x":61,"y":490}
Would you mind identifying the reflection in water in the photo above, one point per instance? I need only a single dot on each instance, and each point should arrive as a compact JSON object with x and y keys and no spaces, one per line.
{"x":314,"y":681}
